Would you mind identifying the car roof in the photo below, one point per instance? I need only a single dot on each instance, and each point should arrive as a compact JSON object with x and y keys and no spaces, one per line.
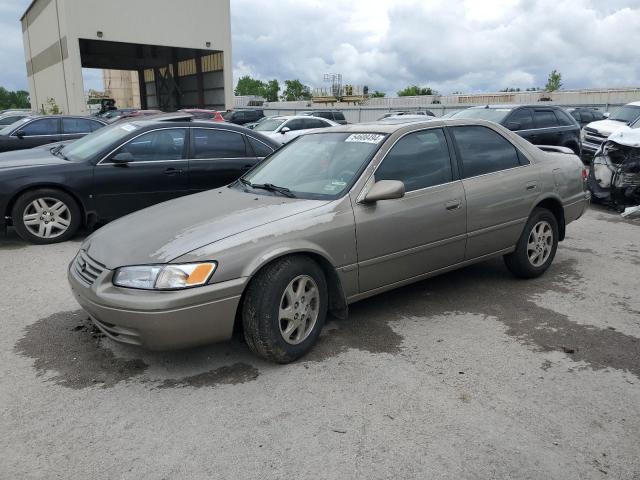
{"x":380,"y":126}
{"x":511,"y":106}
{"x":635,"y":104}
{"x":289,"y":117}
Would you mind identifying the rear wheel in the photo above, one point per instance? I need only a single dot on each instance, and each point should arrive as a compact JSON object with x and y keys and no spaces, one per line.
{"x":285,"y":308}
{"x":536,"y":247}
{"x":46,"y":216}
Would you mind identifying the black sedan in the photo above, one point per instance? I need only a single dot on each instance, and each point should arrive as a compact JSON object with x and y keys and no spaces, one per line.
{"x":48,"y":193}
{"x":35,"y":130}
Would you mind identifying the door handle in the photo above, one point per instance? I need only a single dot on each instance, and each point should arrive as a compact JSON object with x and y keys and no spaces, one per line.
{"x":173,"y":171}
{"x":453,"y":204}
{"x":532,"y":186}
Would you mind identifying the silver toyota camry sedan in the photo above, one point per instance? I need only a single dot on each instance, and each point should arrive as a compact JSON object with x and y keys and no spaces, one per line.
{"x":330,"y":219}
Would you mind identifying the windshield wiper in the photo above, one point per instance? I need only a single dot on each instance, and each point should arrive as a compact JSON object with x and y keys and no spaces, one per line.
{"x":56,"y":151}
{"x":270,"y":187}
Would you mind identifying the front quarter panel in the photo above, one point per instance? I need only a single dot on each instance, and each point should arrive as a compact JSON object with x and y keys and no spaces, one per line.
{"x":327,"y":231}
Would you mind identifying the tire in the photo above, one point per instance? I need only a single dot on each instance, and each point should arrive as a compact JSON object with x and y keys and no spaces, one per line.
{"x":46,"y":216}
{"x":532,"y":257}
{"x":288,"y":282}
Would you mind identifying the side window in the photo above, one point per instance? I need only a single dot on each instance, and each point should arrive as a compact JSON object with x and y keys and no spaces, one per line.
{"x":45,"y":126}
{"x":338,"y":116}
{"x":587,"y":117}
{"x":295,"y":124}
{"x":260,"y":149}
{"x":419,"y":160}
{"x":167,"y":144}
{"x":563,"y":118}
{"x":77,"y":125}
{"x":315,"y":123}
{"x":10,"y":120}
{"x":484,"y":151}
{"x":523,"y":117}
{"x":597,"y":115}
{"x":95,"y":125}
{"x":210,"y":143}
{"x":545,"y":119}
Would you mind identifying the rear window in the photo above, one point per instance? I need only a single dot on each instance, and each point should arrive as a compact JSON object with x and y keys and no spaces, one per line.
{"x":563,"y":118}
{"x":545,"y":119}
{"x":338,"y":116}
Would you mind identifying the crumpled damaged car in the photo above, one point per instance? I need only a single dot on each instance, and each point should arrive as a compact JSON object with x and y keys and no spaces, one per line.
{"x":614,"y":176}
{"x":331,"y":218}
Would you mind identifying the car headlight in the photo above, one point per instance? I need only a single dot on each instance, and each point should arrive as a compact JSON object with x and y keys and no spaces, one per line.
{"x":582,"y":135}
{"x":164,"y":277}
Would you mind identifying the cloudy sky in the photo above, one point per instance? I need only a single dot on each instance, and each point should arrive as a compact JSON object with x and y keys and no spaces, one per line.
{"x":450,"y":45}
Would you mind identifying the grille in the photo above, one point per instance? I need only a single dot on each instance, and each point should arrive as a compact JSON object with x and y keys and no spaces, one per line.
{"x":86,"y":268}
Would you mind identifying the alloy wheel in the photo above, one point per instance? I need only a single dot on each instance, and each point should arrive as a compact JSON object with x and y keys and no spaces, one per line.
{"x":540,"y":243}
{"x":299,"y":308}
{"x":47,"y":217}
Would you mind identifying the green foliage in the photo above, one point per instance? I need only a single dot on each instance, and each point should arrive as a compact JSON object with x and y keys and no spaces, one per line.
{"x":295,"y":90}
{"x":50,"y":108}
{"x":377,"y":94}
{"x":511,"y":89}
{"x":554,"y":82}
{"x":252,"y":86}
{"x":11,"y":99}
{"x":415,"y":90}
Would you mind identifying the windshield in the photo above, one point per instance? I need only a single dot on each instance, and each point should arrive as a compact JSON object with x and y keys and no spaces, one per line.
{"x":626,"y":114}
{"x":491,"y":114}
{"x":85,"y":148}
{"x":269,"y":125}
{"x":9,"y":128}
{"x":321,"y":165}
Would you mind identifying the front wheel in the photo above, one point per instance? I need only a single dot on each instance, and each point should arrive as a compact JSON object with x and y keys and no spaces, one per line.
{"x":536,"y":247}
{"x":46,"y":216}
{"x":284,"y":309}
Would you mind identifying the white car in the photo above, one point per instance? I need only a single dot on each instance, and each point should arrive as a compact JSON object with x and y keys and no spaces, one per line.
{"x":286,"y":128}
{"x":596,"y":133}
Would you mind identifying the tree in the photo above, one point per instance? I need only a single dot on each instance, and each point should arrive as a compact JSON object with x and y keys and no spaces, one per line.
{"x":377,"y":94}
{"x":249,"y":86}
{"x":295,"y":90}
{"x":270,"y":90}
{"x":415,"y":90}
{"x":511,"y":89}
{"x":554,"y":82}
{"x":11,"y":99}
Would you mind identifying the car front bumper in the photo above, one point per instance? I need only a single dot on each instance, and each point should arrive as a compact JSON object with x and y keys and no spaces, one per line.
{"x":159,"y":320}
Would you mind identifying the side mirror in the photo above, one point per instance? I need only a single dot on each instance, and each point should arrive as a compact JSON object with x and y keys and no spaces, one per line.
{"x":385,"y":190}
{"x":513,"y":126}
{"x":606,"y":114}
{"x":284,"y":130}
{"x":122,"y":158}
{"x":20,"y":134}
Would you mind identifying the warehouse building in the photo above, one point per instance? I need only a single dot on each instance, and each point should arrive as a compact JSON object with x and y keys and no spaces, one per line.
{"x":181,"y":51}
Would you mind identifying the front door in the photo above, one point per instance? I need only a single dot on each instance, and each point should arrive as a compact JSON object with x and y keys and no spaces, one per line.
{"x":218,"y":157}
{"x":156,"y":170}
{"x":500,"y":188}
{"x":421,"y":232}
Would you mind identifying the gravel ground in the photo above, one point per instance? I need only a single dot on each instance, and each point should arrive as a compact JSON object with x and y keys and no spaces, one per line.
{"x":469,"y":375}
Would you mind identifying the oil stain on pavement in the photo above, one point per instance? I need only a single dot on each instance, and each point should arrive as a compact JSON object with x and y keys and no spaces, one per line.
{"x":68,"y":345}
{"x":226,"y":375}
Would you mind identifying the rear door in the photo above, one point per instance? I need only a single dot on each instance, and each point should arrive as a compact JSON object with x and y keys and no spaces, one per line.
{"x":73,"y":128}
{"x":35,"y":133}
{"x":521,"y":122}
{"x":421,"y":232}
{"x":218,"y":157}
{"x":500,"y":187}
{"x":547,"y":125}
{"x":157,"y":170}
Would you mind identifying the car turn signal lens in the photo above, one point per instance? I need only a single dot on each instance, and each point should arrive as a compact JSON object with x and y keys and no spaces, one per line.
{"x":184,"y":276}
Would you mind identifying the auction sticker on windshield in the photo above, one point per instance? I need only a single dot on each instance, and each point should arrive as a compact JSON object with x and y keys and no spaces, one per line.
{"x":365,"y":138}
{"x":128,"y":127}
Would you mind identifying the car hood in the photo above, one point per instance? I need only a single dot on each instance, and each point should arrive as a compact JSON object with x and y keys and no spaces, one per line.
{"x":166,"y":231}
{"x":607,"y":127}
{"x":29,"y":158}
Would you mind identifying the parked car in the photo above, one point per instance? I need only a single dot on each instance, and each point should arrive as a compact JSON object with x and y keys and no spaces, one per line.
{"x":47,"y":194}
{"x":240,"y":117}
{"x":333,"y":115}
{"x":133,"y":114}
{"x":286,"y":128}
{"x":252,"y":125}
{"x":407,"y":112}
{"x":596,"y":133}
{"x":405,"y":118}
{"x":202,"y":114}
{"x":585,"y":115}
{"x":36,"y":130}
{"x":115,"y":113}
{"x":540,"y":125}
{"x":12,"y":116}
{"x":331,"y":218}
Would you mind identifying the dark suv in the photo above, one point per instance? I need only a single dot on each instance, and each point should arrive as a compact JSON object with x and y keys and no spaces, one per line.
{"x":335,"y":115}
{"x":240,"y":117}
{"x":585,"y":115}
{"x":540,"y":125}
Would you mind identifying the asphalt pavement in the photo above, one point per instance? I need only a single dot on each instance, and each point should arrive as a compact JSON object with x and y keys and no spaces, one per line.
{"x":470,"y":375}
